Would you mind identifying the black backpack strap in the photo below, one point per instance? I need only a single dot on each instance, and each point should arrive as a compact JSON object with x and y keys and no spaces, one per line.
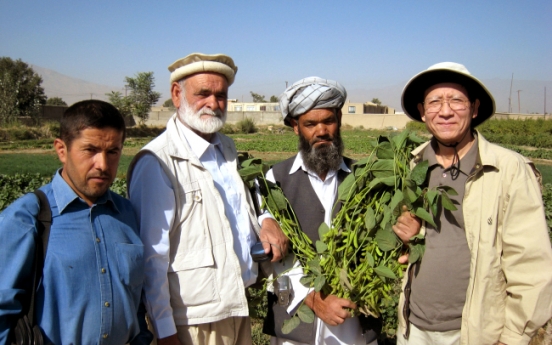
{"x":43,"y":225}
{"x":44,"y":220}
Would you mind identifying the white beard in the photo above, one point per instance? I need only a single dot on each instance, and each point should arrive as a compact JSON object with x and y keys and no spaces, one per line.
{"x":209,"y":124}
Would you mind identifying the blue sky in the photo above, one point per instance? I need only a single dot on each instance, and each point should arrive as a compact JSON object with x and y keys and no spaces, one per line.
{"x":362,"y":44}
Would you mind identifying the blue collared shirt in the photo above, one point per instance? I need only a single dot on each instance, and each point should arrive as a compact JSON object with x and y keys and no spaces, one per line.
{"x":93,"y":270}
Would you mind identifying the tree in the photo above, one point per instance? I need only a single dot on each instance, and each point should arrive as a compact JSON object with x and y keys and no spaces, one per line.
{"x":273,"y":99}
{"x":20,"y":90}
{"x":123,"y":104}
{"x":376,"y":101}
{"x":55,"y":101}
{"x":169,"y":104}
{"x":141,"y":97}
{"x":257,"y":98}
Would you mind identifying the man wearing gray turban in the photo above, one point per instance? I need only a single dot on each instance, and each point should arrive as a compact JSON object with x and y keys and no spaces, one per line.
{"x":311,"y":93}
{"x":309,"y":180}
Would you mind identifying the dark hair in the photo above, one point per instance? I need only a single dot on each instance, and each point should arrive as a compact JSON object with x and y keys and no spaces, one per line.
{"x":89,"y":114}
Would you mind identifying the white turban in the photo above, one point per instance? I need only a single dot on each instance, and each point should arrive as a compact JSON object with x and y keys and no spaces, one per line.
{"x":311,"y":93}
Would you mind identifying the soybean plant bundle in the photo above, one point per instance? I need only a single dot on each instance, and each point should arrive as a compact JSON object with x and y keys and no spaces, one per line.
{"x":357,"y":256}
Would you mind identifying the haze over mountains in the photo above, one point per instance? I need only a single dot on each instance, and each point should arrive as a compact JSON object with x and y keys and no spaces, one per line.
{"x":531,"y":96}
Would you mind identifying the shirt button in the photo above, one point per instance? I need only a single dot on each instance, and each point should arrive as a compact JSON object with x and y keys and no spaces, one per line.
{"x":98,"y":239}
{"x":105,"y":335}
{"x":103,"y":270}
{"x":107,"y":304}
{"x":444,"y":174}
{"x":197,"y":198}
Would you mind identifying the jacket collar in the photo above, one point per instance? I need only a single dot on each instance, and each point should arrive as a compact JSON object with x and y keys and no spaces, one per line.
{"x":486,"y":156}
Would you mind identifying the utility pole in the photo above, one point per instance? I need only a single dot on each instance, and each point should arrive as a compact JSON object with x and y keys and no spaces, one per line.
{"x":286,"y":84}
{"x":545,"y":102}
{"x":519,"y":105}
{"x":510,"y":98}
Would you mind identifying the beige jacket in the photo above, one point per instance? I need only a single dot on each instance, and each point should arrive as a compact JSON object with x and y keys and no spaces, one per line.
{"x":509,"y":294}
{"x":204,"y":272}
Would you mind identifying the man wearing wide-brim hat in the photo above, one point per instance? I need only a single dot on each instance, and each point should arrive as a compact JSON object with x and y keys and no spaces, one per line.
{"x":485,"y":277}
{"x":197,"y":219}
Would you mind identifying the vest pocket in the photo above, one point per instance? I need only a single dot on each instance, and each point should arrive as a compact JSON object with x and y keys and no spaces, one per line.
{"x":192,"y":279}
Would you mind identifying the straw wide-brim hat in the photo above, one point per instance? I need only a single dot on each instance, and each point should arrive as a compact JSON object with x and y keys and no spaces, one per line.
{"x":446,"y":72}
{"x":201,"y":63}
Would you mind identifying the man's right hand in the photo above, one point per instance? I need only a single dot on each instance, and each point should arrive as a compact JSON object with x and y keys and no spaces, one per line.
{"x":170,"y":340}
{"x":329,"y":309}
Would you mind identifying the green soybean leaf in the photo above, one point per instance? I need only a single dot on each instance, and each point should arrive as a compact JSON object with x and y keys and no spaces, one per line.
{"x":369,"y":219}
{"x":447,"y":203}
{"x":423,"y":214}
{"x":447,"y":189}
{"x":370,"y":259}
{"x":362,"y":162}
{"x":431,"y":194}
{"x":321,"y":247}
{"x":399,"y":140}
{"x":319,"y":282}
{"x":397,"y":198}
{"x":323,"y":229}
{"x":384,"y":271}
{"x":314,"y":266}
{"x":346,"y":187}
{"x":382,"y":168}
{"x":290,"y":325}
{"x":386,"y":240}
{"x":384,"y":150}
{"x":411,"y":195}
{"x":416,"y":252}
{"x":387,"y":214}
{"x":415,"y":139}
{"x":249,"y":172}
{"x":307,"y":280}
{"x":385,"y":198}
{"x":387,"y":181}
{"x":279,"y":199}
{"x":419,"y":173}
{"x":305,"y":314}
{"x":251,"y":161}
{"x":435,"y":205}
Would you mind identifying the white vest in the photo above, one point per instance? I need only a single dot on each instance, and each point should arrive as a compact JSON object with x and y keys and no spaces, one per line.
{"x":204,"y":272}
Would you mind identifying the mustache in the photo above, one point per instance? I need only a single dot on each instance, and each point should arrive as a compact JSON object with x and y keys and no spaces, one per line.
{"x":207,"y":111}
{"x":323,"y":138}
{"x":100,"y":175}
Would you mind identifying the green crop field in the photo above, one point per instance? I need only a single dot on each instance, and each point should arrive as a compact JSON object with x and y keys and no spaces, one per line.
{"x":37,"y":156}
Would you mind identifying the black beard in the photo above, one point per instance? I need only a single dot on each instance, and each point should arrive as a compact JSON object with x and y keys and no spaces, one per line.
{"x":324,"y":158}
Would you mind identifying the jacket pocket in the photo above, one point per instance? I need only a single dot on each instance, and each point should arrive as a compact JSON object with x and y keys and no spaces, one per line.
{"x":130,"y":262}
{"x":192,"y":277}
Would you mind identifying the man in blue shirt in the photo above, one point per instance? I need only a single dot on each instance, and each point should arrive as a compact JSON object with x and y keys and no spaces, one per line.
{"x":93,"y":270}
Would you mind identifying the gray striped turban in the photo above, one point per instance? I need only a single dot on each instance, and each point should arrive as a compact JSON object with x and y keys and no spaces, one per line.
{"x":311,"y":93}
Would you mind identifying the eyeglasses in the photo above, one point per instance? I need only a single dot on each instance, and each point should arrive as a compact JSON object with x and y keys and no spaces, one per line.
{"x":434,"y":105}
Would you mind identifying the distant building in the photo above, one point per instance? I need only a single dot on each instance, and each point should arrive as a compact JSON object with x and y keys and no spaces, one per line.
{"x":348,"y":108}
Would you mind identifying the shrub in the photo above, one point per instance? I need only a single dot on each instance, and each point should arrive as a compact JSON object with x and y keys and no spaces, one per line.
{"x":227,"y":129}
{"x":246,"y":126}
